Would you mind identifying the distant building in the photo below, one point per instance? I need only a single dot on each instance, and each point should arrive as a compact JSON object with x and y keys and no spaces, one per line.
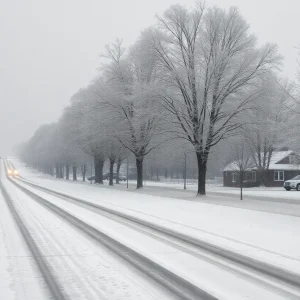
{"x":284,"y":165}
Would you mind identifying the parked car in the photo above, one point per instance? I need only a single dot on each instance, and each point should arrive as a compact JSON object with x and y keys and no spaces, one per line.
{"x":293,"y":183}
{"x":91,"y":178}
{"x":121,"y":177}
{"x":106,"y":177}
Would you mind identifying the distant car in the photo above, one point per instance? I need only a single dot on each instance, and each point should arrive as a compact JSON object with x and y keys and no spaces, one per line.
{"x":293,"y":183}
{"x":11,"y":172}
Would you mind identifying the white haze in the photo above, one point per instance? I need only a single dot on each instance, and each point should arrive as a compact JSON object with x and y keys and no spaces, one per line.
{"x":50,"y":48}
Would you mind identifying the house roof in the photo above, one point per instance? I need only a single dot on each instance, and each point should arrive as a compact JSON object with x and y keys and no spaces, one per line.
{"x":279,"y":155}
{"x":274,"y":162}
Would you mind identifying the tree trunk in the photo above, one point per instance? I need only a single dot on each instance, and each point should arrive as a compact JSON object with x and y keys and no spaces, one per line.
{"x":99,"y":163}
{"x":61,"y":171}
{"x":56,"y":170}
{"x":96,"y":169}
{"x":51,"y":170}
{"x":111,"y":171}
{"x":139,"y":169}
{"x":74,"y":173}
{"x":67,"y":171}
{"x":202,"y":166}
{"x":83,"y":171}
{"x":157,"y":174}
{"x":119,"y":163}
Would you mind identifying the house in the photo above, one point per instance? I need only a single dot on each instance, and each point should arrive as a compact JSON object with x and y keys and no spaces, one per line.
{"x":284,"y":165}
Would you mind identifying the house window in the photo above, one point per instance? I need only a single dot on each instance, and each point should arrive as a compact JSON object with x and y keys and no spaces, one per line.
{"x":233,"y":177}
{"x":253,"y":176}
{"x":278,"y":175}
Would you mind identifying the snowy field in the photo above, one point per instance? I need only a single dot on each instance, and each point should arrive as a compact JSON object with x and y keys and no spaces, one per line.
{"x":248,"y":229}
{"x":274,"y":193}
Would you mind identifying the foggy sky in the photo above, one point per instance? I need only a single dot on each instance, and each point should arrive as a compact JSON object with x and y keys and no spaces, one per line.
{"x":50,"y":48}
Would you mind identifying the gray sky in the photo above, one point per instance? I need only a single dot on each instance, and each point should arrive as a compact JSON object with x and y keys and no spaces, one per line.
{"x":50,"y":48}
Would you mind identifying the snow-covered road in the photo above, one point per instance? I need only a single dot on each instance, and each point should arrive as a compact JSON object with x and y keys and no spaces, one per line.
{"x":63,"y":248}
{"x":19,"y":275}
{"x":83,"y":268}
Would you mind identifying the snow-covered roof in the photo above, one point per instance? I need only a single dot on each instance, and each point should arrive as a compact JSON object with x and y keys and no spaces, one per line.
{"x":274,"y":162}
{"x":277,"y":156}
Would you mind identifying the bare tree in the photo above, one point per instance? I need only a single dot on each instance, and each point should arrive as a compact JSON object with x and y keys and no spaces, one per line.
{"x":209,"y":67}
{"x":88,"y":126}
{"x":292,"y":110}
{"x":264,"y":127}
{"x":129,"y":100}
{"x":41,"y":151}
{"x":122,"y":154}
{"x":241,"y":162}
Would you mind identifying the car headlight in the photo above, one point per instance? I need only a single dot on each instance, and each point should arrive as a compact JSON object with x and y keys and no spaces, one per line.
{"x":16,"y":172}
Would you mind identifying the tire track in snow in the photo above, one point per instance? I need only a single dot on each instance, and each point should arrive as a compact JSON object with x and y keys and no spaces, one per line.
{"x":53,"y":286}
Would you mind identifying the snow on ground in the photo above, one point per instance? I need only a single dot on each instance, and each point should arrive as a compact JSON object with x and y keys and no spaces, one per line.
{"x":259,"y":230}
{"x":216,"y":194}
{"x":271,"y":193}
{"x":84,"y":268}
{"x":277,"y":193}
{"x":19,"y":275}
{"x":218,"y":281}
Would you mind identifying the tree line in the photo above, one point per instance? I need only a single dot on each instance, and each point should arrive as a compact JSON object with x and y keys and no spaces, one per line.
{"x":189,"y":84}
